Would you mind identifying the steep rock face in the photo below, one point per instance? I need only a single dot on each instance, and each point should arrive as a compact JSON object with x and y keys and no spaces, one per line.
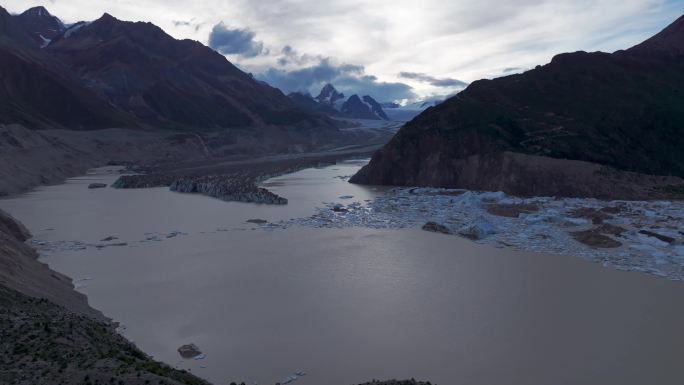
{"x":168,"y":82}
{"x":375,"y":107}
{"x":624,"y":110}
{"x":358,"y":108}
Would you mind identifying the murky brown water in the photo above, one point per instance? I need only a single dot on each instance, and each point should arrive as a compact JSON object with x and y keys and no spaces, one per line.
{"x":347,"y":306}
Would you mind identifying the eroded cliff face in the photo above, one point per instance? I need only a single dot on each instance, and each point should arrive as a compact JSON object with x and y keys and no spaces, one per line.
{"x":521,"y":175}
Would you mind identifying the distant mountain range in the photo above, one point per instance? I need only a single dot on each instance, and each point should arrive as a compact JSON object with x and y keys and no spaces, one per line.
{"x":566,"y":128}
{"x":333,"y":103}
{"x":113,"y":73}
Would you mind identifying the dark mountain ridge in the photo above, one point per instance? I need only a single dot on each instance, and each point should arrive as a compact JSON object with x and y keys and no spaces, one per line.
{"x":169,"y":82}
{"x":624,"y":110}
{"x":38,"y":91}
{"x":112,"y":73}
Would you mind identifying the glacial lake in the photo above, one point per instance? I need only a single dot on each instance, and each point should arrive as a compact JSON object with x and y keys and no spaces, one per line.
{"x":346,"y":305}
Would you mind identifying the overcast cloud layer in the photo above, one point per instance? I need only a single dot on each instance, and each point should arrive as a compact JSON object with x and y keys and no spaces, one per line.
{"x":396,"y":49}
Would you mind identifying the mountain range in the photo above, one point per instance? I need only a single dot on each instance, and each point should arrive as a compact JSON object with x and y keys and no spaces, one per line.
{"x":571,"y":127}
{"x":332,"y":103}
{"x":113,"y":73}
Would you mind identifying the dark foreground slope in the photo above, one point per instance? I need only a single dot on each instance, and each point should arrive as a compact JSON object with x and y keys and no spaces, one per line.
{"x":70,"y":343}
{"x":42,"y":343}
{"x":570,"y":127}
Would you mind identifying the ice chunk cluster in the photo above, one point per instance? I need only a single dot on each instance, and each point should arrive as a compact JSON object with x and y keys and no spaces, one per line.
{"x":645,"y":236}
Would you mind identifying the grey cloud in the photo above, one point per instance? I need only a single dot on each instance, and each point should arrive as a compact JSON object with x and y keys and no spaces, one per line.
{"x":304,"y":78}
{"x":288,"y":51}
{"x":235,"y":41}
{"x":290,"y":56}
{"x":382,"y":91}
{"x":187,"y":23}
{"x":347,"y":78}
{"x":446,"y":82}
{"x":512,"y":69}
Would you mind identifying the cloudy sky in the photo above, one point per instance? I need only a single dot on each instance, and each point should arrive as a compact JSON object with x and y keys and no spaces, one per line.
{"x":391,"y":49}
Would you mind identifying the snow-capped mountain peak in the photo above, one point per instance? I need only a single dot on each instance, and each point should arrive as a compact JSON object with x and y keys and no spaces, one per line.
{"x":329,"y":95}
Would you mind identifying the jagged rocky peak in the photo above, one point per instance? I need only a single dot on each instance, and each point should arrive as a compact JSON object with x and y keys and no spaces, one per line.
{"x":107,"y":18}
{"x":329,"y":95}
{"x":40,"y":25}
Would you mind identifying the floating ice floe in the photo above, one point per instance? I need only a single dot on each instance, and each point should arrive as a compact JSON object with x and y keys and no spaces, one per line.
{"x":478,"y":229}
{"x":48,"y":247}
{"x":293,"y":377}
